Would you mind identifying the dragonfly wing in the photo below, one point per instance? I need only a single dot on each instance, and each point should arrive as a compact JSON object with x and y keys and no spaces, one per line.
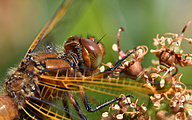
{"x":49,"y":26}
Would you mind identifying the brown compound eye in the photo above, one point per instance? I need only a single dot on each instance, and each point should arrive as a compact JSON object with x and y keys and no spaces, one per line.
{"x":99,"y":44}
{"x":91,"y":38}
{"x":101,"y":48}
{"x":92,"y":53}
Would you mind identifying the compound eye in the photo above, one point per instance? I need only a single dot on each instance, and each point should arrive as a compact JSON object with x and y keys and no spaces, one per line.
{"x":91,"y":38}
{"x":101,"y":48}
{"x":92,"y":54}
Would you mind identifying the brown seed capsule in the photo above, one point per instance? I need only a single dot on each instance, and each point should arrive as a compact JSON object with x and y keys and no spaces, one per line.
{"x":132,"y":68}
{"x":170,"y":53}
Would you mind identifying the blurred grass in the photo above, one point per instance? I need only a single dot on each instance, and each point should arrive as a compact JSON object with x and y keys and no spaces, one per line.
{"x":21,"y":21}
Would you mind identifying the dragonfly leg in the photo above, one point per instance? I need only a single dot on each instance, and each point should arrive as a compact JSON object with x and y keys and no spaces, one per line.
{"x":87,"y":104}
{"x":65,"y":104}
{"x":77,"y":107}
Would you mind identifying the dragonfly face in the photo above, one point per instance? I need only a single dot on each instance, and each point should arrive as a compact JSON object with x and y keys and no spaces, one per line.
{"x":89,"y":53}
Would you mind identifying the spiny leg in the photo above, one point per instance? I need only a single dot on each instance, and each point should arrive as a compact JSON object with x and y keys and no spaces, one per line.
{"x":77,"y":107}
{"x":65,"y":104}
{"x":87,"y":104}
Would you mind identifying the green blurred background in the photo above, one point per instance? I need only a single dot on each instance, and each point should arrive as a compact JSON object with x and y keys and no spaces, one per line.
{"x":21,"y":21}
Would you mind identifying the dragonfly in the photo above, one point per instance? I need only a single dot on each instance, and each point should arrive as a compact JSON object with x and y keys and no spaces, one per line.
{"x":45,"y":78}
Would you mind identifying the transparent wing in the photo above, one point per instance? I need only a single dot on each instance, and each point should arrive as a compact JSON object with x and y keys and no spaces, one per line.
{"x":45,"y":110}
{"x":58,"y":26}
{"x":49,"y":26}
{"x":97,"y":89}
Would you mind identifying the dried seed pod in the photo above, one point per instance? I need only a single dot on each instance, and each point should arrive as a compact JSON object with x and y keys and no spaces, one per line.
{"x":125,"y":109}
{"x":132,"y":68}
{"x":170,"y":53}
